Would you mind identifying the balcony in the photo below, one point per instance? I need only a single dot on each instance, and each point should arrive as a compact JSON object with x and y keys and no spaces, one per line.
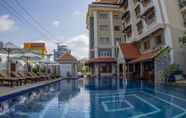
{"x":147,"y":5}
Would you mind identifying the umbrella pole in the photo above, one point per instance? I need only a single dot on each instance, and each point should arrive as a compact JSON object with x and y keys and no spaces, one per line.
{"x":8,"y":64}
{"x":27,"y":64}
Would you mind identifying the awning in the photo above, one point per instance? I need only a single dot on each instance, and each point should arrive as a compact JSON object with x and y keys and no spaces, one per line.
{"x":101,"y":60}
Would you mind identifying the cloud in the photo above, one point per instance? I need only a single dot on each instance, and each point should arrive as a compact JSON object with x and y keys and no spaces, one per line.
{"x":6,"y":23}
{"x":79,"y":45}
{"x":56,"y":23}
{"x":78,"y":13}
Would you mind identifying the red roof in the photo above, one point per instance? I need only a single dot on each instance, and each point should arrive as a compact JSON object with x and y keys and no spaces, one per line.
{"x":102,"y":60}
{"x":67,"y":58}
{"x":146,"y":56}
{"x":129,"y":50}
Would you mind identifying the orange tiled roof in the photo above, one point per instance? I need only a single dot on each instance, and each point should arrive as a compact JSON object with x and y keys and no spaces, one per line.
{"x":67,"y":58}
{"x":146,"y":56}
{"x":129,"y":50}
{"x":102,"y":60}
{"x":107,"y":1}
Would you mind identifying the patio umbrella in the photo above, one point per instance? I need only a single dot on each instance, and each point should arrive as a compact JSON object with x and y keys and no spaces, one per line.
{"x":10,"y":49}
{"x":28,"y":56}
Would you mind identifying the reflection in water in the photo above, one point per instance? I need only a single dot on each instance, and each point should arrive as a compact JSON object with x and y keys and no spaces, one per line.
{"x":34,"y":102}
{"x":113,"y":84}
{"x":68,"y":99}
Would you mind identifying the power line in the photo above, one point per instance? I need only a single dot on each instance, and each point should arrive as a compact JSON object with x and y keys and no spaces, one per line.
{"x":23,"y":18}
{"x":31,"y":16}
{"x":13,"y":13}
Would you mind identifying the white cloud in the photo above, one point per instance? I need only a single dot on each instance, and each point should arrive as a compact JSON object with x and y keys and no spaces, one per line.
{"x":56,"y":23}
{"x":6,"y":23}
{"x":79,"y":45}
{"x":78,"y":13}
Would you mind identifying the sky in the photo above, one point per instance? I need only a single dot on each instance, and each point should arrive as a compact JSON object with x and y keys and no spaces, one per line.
{"x":60,"y":20}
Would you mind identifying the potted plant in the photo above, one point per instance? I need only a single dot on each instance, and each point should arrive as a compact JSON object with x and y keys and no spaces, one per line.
{"x":171,"y":73}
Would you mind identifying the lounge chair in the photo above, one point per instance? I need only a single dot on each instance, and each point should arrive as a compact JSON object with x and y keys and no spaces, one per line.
{"x":33,"y":75}
{"x":9,"y":81}
{"x":22,"y":79}
{"x":28,"y":77}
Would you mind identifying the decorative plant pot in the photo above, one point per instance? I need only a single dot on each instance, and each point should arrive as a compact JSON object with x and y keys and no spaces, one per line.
{"x":171,"y":78}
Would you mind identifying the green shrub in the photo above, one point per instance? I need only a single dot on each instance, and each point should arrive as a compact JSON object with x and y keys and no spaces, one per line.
{"x":35,"y":70}
{"x":170,"y":70}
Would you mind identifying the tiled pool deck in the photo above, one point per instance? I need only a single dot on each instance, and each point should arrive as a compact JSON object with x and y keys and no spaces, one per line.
{"x":5,"y":91}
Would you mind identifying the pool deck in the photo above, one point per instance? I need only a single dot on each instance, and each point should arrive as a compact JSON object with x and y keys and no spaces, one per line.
{"x":5,"y":91}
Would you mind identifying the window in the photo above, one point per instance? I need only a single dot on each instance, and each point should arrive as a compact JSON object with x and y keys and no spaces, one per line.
{"x":117,"y":28}
{"x":150,"y":17}
{"x":158,"y":40}
{"x":138,"y":11}
{"x":103,"y":15}
{"x":140,"y":27}
{"x":147,"y":44}
{"x":103,"y":27}
{"x":104,"y":40}
{"x":104,"y":53}
{"x":129,"y":31}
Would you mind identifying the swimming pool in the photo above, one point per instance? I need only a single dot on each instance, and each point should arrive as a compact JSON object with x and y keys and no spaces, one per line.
{"x":97,"y":99}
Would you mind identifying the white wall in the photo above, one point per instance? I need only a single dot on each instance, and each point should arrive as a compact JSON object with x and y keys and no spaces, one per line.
{"x":65,"y":68}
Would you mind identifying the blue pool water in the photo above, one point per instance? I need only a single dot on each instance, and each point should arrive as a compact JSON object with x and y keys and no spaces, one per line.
{"x":97,"y":99}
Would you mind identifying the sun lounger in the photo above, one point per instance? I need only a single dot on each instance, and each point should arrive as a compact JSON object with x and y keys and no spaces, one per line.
{"x":9,"y":81}
{"x":29,"y":79}
{"x":22,"y":80}
{"x":37,"y":78}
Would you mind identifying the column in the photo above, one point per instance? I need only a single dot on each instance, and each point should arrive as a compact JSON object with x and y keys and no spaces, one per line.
{"x":141,"y":70}
{"x":95,"y":34}
{"x":112,"y":34}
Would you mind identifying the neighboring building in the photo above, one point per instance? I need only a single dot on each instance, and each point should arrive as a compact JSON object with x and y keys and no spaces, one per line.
{"x":60,"y":51}
{"x":68,"y":65}
{"x":105,"y":32}
{"x":1,"y":44}
{"x":152,"y":25}
{"x":37,"y":47}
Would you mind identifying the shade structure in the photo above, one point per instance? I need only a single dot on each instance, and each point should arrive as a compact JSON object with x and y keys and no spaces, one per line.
{"x":11,"y":49}
{"x":28,"y":56}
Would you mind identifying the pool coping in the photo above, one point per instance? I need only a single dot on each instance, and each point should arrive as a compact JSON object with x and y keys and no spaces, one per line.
{"x":23,"y":89}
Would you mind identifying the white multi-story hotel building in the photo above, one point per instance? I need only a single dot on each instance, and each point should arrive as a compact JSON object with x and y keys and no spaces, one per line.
{"x":104,"y":24}
{"x":151,"y":25}
{"x":148,"y":28}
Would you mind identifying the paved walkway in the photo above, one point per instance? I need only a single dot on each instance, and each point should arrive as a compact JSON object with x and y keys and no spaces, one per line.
{"x":10,"y":90}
